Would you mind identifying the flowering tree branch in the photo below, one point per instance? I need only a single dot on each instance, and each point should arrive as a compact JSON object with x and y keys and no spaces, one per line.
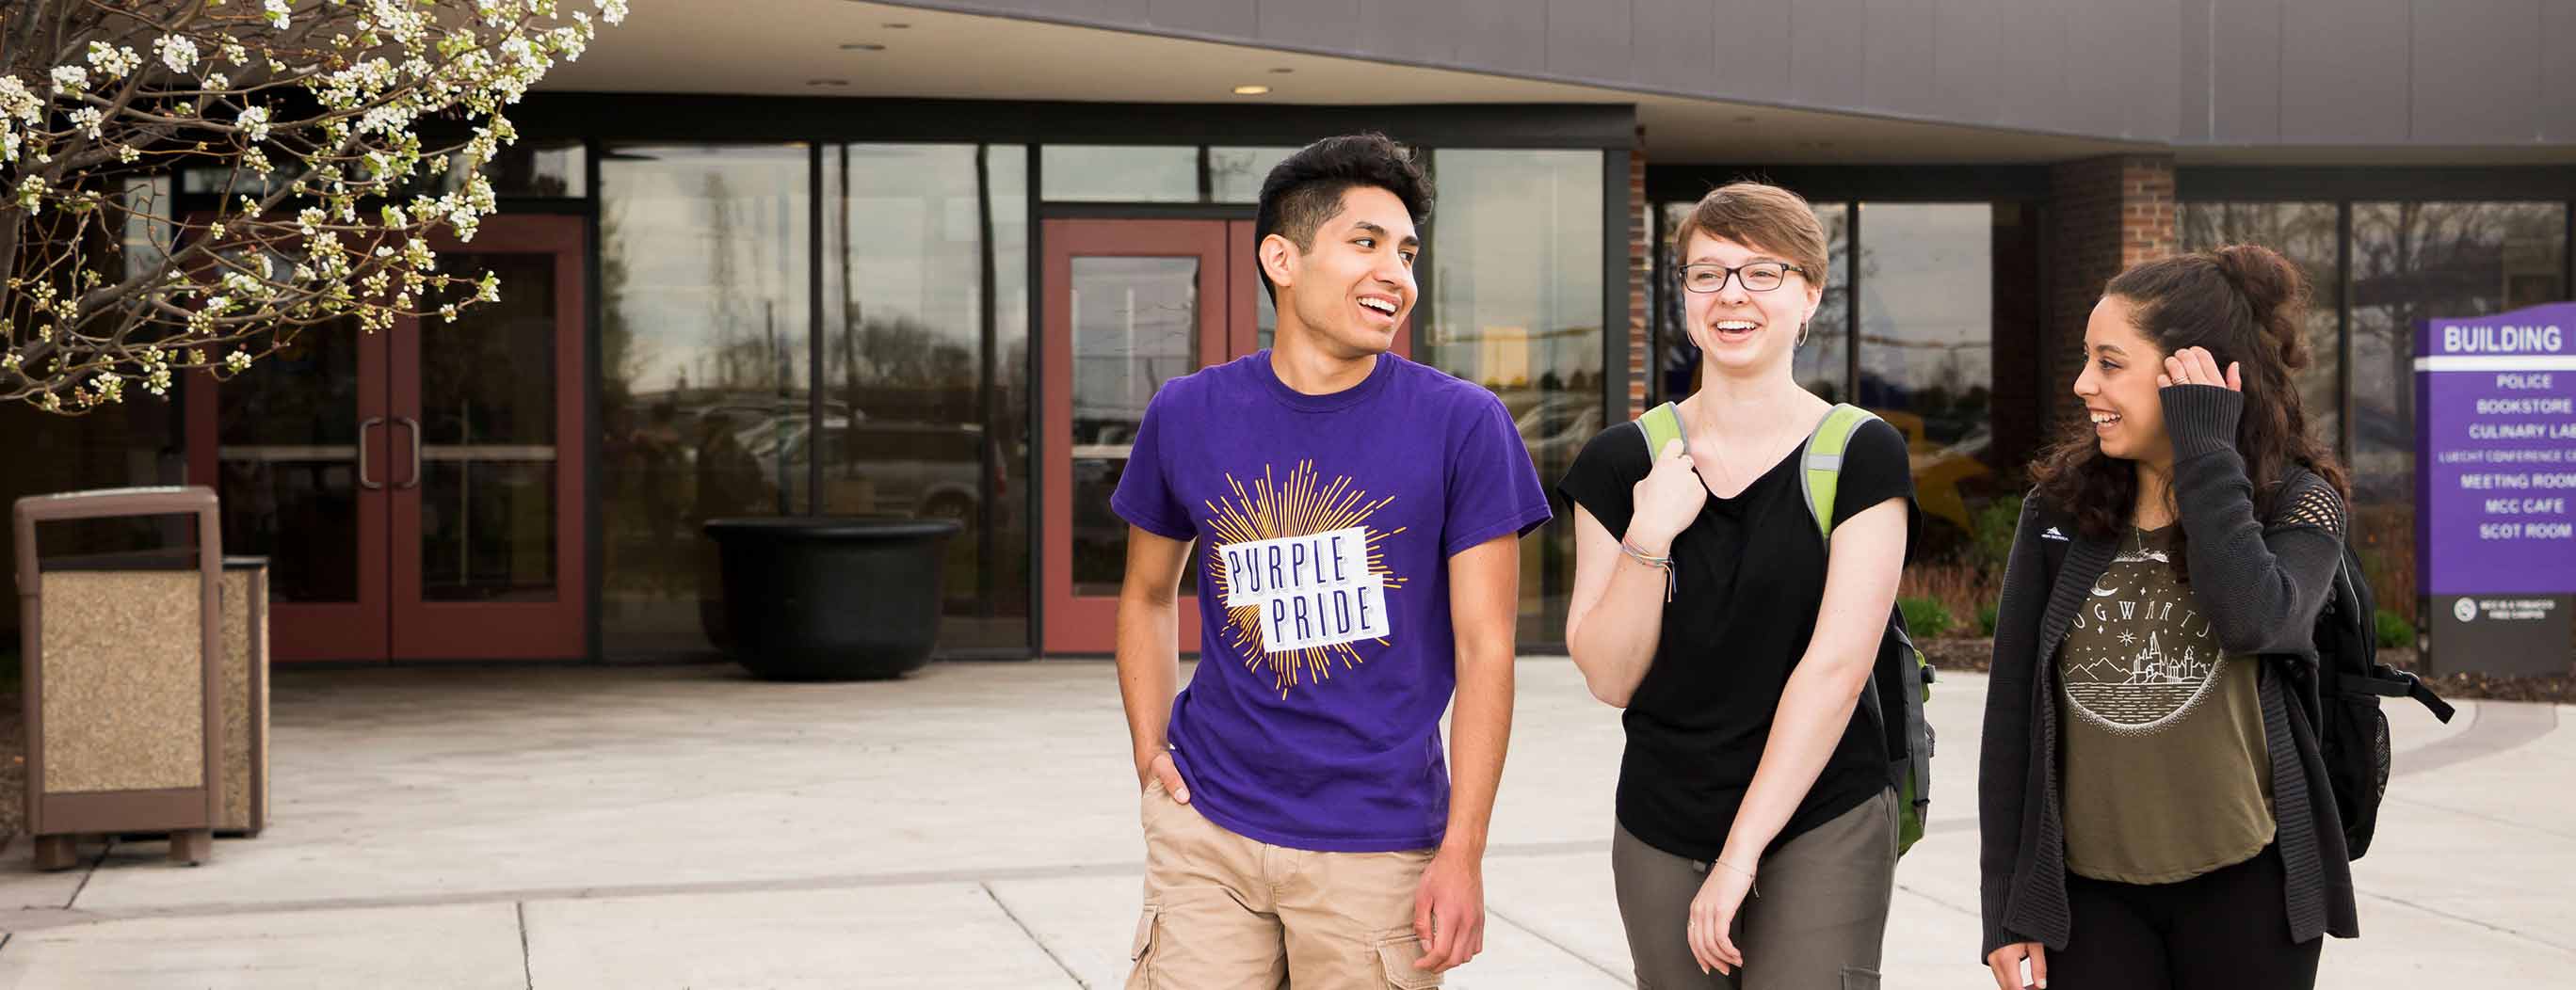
{"x":334,"y":136}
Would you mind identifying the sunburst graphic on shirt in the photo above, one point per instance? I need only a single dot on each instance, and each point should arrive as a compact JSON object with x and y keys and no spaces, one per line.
{"x":1303,"y":575}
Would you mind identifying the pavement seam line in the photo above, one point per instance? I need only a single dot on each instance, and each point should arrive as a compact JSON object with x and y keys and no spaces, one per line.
{"x":1970,"y":912}
{"x":2466,"y":920}
{"x":1560,"y":947}
{"x":527,"y":965}
{"x":1025,"y":930}
{"x":94,"y":864}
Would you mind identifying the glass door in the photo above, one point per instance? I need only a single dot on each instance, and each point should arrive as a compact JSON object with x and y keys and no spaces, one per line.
{"x":486,"y":514}
{"x":419,"y":492}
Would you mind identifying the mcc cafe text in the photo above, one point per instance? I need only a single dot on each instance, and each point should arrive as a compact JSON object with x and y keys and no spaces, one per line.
{"x":2495,"y":489}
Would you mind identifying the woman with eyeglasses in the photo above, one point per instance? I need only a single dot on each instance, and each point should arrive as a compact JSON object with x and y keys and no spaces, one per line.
{"x":1755,"y":843}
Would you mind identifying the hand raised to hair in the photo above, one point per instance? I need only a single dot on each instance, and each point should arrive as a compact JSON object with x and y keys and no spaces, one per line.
{"x":2196,"y":366}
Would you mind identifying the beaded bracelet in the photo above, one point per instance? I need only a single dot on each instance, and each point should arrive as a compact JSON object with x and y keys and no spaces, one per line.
{"x":1664,"y":564}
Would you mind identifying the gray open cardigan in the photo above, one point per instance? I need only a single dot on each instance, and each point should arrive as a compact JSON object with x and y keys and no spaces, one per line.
{"x":2261,"y":580}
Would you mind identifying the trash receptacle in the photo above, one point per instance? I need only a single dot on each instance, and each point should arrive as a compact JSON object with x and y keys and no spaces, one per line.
{"x":122,"y":682}
{"x":244,"y":694}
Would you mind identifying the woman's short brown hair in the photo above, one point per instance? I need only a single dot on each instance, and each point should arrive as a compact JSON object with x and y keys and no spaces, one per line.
{"x":1760,"y":216}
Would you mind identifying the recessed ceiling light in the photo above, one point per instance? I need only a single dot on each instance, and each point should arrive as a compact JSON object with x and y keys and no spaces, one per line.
{"x":827,"y":82}
{"x":1251,"y":90}
{"x":862,"y":46}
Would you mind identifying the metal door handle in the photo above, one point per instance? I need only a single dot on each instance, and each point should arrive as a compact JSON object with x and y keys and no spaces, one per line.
{"x":414,"y":480}
{"x":364,"y":425}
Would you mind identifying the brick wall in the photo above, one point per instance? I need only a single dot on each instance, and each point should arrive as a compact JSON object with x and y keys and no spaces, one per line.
{"x":1641,"y":260}
{"x":2105,"y":214}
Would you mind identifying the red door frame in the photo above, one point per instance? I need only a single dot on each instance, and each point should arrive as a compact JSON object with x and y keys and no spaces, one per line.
{"x":388,"y":619}
{"x":427,"y":630}
{"x":1084,"y":624}
{"x":320,"y":630}
{"x":1228,"y":328}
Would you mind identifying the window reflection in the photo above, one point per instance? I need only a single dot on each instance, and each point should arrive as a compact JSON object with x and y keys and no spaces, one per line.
{"x":1120,"y":173}
{"x":1927,"y":328}
{"x":2305,"y":234}
{"x":912,"y":427}
{"x":1514,"y":297}
{"x":704,"y":282}
{"x":1235,"y":174}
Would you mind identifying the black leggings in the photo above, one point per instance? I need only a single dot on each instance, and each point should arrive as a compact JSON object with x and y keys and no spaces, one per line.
{"x":2221,"y":930}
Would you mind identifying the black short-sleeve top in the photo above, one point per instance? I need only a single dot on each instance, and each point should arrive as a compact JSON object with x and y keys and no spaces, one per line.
{"x":1750,"y":575}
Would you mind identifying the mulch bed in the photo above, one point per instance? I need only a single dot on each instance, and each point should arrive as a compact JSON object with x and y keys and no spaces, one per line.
{"x":1974,"y":655}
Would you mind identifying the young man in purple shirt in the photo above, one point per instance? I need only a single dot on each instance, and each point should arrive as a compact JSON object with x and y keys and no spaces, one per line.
{"x":1355,"y":521}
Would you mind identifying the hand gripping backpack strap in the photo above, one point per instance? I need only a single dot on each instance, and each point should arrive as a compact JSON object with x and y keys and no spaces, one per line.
{"x":1659,"y":426}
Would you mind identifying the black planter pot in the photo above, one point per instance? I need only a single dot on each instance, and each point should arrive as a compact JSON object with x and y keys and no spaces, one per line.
{"x":826,"y":598}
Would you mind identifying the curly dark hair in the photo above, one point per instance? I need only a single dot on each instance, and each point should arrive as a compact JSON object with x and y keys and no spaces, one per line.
{"x":2243,"y":302}
{"x":1305,"y":189}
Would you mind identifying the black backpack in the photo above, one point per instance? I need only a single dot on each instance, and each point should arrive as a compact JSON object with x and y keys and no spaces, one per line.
{"x":2351,"y":730}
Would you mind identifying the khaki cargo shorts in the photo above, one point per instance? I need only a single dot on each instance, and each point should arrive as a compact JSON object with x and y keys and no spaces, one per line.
{"x":1223,"y":911}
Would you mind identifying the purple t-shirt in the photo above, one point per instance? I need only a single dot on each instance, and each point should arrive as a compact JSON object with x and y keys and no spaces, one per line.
{"x":1324,"y":524}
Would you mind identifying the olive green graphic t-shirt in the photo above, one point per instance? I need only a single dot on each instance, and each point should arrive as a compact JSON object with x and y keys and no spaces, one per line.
{"x":2166,"y":777}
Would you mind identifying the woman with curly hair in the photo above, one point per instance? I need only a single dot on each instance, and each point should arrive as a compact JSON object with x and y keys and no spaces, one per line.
{"x":2153,"y":809}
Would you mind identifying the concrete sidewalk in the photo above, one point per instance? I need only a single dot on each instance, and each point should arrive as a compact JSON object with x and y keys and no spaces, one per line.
{"x":975,"y":826}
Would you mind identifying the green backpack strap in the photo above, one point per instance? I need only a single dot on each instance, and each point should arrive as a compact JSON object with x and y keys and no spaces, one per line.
{"x":1662,"y":425}
{"x":1910,"y":682}
{"x":1821,"y":463}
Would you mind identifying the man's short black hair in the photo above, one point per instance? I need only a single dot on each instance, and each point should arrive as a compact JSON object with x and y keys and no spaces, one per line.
{"x":1306,"y":188}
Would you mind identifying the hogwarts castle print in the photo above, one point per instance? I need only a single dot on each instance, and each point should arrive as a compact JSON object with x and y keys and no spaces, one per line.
{"x":2140,"y":655}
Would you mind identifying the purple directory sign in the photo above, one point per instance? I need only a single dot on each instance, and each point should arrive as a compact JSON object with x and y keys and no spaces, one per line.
{"x":2495,"y":482}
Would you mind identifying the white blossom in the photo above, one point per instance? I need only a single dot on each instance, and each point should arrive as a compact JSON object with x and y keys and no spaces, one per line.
{"x":179,"y":53}
{"x":112,"y":62}
{"x":374,"y":74}
{"x":16,"y":101}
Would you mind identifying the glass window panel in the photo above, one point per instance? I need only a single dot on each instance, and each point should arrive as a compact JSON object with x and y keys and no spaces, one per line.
{"x":1514,"y":295}
{"x":287,"y":464}
{"x":704,"y":283}
{"x":1003,"y":616}
{"x":1120,"y":173}
{"x":1135,"y":326}
{"x":1927,"y":297}
{"x":1823,"y":363}
{"x":547,"y":169}
{"x":488,"y":439}
{"x":2305,"y":234}
{"x":2413,"y":262}
{"x":1235,"y":174}
{"x":914,"y":427}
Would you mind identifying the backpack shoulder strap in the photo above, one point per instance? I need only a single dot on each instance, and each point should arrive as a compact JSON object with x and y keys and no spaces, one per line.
{"x":1820,"y":463}
{"x":1659,"y":426}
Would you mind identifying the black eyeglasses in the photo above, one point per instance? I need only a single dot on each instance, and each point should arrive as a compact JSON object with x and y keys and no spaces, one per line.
{"x":1760,"y":276}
